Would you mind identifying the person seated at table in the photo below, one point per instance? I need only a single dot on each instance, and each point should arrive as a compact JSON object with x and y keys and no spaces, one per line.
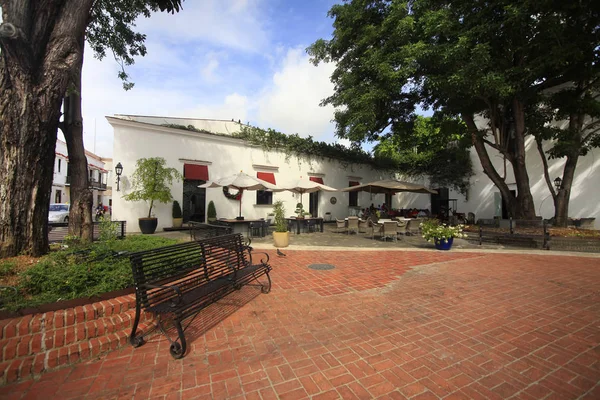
{"x":384,"y":207}
{"x":413,"y":213}
{"x":423,"y":214}
{"x":372,"y":208}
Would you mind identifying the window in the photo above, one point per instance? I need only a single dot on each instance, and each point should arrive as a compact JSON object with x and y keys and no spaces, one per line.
{"x":58,"y":196}
{"x":264,"y":197}
{"x":59,"y":161}
{"x":353,"y":198}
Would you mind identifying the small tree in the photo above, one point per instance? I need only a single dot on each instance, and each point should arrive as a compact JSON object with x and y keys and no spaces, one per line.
{"x":211,"y":212}
{"x":279,"y":211}
{"x":176,"y":210}
{"x":151,"y":181}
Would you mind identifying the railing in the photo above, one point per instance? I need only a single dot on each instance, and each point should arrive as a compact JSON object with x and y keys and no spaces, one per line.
{"x":58,"y":230}
{"x":530,"y":234}
{"x":92,"y":183}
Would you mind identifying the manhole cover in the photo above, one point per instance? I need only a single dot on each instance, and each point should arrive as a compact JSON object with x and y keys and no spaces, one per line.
{"x":321,"y":266}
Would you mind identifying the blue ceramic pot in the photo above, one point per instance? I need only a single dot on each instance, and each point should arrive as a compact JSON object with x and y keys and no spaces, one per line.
{"x":441,"y":244}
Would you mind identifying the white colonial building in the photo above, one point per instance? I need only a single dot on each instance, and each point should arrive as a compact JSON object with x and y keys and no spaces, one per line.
{"x":99,"y":170}
{"x":206,"y":156}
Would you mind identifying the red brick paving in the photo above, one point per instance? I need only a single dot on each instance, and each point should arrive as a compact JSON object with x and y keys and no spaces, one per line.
{"x":389,"y":325}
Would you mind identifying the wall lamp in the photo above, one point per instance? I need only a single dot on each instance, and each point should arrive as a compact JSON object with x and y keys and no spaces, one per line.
{"x":118,"y":171}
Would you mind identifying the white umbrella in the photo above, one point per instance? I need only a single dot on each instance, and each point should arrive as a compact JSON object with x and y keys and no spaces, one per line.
{"x":389,"y":186}
{"x":242,"y":181}
{"x":306,"y":186}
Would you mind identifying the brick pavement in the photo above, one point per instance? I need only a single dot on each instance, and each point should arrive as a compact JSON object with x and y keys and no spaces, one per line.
{"x":422,"y":325}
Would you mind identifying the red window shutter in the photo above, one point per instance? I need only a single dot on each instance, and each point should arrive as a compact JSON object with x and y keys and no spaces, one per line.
{"x":266,"y":176}
{"x":197,"y":172}
{"x":317,"y":179}
{"x":352,"y":183}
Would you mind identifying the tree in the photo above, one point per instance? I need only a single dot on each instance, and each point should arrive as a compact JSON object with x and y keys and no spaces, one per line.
{"x":40,"y":45}
{"x":431,"y":147}
{"x":151,"y":180}
{"x":110,"y":28}
{"x":465,"y":58}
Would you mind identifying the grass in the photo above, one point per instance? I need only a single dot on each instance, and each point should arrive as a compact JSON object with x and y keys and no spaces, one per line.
{"x":76,"y":272}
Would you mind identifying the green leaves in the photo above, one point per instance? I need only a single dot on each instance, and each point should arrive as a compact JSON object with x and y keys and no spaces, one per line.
{"x":152,"y":181}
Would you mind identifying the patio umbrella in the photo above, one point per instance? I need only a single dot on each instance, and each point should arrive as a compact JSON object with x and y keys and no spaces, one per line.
{"x":389,"y":186}
{"x":306,"y":186}
{"x":241,"y":181}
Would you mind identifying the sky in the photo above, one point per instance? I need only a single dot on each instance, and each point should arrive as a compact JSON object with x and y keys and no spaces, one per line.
{"x":219,"y":59}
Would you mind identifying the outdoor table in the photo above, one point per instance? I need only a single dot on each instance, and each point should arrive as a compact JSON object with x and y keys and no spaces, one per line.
{"x":297,"y":221}
{"x":240,"y":225}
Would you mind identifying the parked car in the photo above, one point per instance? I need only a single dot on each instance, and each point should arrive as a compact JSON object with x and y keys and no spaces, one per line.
{"x":58,"y":213}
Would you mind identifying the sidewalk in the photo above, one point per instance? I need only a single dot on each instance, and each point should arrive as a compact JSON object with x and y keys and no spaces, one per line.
{"x":383,"y":324}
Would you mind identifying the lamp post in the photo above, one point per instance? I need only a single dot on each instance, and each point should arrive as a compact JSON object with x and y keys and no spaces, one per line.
{"x":558,"y":183}
{"x":118,"y":171}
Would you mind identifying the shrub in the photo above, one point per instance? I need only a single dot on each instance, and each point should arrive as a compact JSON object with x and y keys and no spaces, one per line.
{"x":279,"y":211}
{"x":211,"y":212}
{"x":433,"y":230}
{"x":109,"y":230}
{"x":176,"y":210}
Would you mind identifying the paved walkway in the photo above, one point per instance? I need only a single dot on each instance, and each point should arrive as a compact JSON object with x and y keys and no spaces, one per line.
{"x":382,"y":324}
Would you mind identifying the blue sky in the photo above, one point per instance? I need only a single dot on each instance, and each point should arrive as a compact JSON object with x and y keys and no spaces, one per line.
{"x":241,"y":59}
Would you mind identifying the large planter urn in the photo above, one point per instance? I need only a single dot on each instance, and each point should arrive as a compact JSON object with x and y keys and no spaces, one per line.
{"x":148,"y":225}
{"x":281,"y":239}
{"x":177,"y":222}
{"x":442,"y":244}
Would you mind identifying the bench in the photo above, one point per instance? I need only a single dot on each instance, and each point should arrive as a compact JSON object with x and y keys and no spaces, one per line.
{"x":178,"y":281}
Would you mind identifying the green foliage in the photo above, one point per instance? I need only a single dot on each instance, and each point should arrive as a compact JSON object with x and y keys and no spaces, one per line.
{"x":177,"y":210}
{"x":80,"y":272}
{"x":150,"y":181}
{"x":7,"y":268}
{"x":109,"y":230}
{"x":498,"y":59}
{"x":211,"y":211}
{"x":279,"y":211}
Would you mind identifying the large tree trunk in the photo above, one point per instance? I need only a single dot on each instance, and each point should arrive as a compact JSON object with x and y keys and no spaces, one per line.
{"x":80,"y":214}
{"x":488,"y":167}
{"x":38,"y":42}
{"x":525,"y":206}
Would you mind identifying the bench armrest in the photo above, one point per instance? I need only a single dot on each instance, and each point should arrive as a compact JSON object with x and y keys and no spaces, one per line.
{"x":262,"y":260}
{"x":172,"y":287}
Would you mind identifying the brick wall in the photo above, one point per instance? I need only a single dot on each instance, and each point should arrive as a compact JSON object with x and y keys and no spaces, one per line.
{"x":36,"y":343}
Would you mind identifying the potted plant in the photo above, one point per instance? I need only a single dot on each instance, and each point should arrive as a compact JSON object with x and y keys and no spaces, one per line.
{"x":300,"y":211}
{"x":177,"y":216}
{"x":151,"y":182}
{"x":211,"y":212}
{"x":441,"y":235}
{"x":280,"y":236}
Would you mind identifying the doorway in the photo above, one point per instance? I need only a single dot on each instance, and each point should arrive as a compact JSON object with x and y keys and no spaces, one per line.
{"x":439,"y":202}
{"x":194,"y":201}
{"x":58,"y":196}
{"x":313,"y":204}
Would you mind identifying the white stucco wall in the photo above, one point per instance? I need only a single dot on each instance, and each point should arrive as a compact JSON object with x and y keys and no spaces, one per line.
{"x":227,"y":156}
{"x":585,"y":193}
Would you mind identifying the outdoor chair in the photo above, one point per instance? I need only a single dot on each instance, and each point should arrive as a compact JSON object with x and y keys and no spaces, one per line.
{"x":256,"y":229}
{"x":340,"y":225}
{"x":390,"y":231}
{"x":401,"y":227}
{"x":376,"y":229}
{"x":471,"y":218}
{"x":412,"y":226}
{"x":310,"y":225}
{"x":352,"y":225}
{"x":363,"y":225}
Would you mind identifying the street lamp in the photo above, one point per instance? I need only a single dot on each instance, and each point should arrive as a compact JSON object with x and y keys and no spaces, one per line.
{"x":118,"y":171}
{"x":558,"y":183}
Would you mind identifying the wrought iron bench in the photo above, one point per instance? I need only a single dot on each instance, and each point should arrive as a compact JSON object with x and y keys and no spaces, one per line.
{"x":176,"y":282}
{"x":199,"y":230}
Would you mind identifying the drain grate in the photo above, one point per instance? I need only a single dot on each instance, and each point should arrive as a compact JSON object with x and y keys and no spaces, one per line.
{"x":321,"y":267}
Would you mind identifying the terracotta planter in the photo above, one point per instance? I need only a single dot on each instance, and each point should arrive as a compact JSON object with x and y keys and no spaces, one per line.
{"x":281,"y":239}
{"x":148,"y":225}
{"x":177,"y":222}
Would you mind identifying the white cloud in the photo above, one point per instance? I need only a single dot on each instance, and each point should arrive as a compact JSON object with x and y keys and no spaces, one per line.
{"x":238,"y":24}
{"x":290,"y":102}
{"x":210,"y":67}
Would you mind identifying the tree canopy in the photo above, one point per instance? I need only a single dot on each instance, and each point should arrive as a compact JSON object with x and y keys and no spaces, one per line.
{"x":495,"y":59}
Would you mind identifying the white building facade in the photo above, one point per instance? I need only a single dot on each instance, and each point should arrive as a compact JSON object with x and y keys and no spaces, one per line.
{"x":209,"y":156}
{"x":98,"y":178}
{"x":204,"y":156}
